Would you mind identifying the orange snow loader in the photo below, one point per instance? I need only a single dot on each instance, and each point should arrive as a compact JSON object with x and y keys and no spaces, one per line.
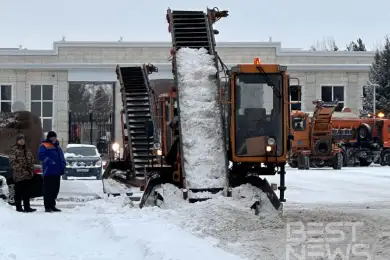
{"x":313,"y":144}
{"x":363,"y":141}
{"x":254,"y":103}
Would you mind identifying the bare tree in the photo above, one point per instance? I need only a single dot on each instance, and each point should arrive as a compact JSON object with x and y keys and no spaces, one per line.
{"x":378,"y":45}
{"x":326,"y":44}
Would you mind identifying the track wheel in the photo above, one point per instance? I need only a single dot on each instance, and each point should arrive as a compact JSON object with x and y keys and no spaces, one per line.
{"x":338,"y":161}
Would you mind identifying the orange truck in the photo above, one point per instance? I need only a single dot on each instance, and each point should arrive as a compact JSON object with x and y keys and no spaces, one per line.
{"x":363,"y":140}
{"x":313,"y":144}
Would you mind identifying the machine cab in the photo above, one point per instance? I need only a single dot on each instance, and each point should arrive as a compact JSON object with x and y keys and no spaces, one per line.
{"x":258,"y":112}
{"x":301,"y":127}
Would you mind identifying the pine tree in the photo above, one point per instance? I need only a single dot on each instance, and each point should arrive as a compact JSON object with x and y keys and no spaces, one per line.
{"x":102,"y":99}
{"x":358,"y":46}
{"x":78,"y":98}
{"x":379,"y":77}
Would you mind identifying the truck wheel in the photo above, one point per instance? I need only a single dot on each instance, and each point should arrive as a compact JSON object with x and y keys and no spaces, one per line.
{"x":364,"y":162}
{"x":385,"y":158}
{"x":338,"y":161}
{"x":345,"y":158}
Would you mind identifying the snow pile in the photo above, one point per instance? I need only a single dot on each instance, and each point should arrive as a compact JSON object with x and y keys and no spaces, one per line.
{"x":111,"y":187}
{"x":229,"y":223}
{"x":200,"y":120}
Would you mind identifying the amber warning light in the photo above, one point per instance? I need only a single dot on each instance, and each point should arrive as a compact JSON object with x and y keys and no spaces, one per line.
{"x":257,"y":61}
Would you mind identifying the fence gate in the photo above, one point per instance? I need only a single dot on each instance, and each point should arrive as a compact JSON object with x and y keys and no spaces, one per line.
{"x":91,"y":128}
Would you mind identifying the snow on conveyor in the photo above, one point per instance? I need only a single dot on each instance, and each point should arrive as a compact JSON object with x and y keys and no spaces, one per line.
{"x":200,"y":119}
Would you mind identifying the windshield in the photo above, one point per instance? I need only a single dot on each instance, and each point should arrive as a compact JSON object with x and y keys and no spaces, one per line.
{"x":299,"y":123}
{"x":259,"y":113}
{"x":82,"y":151}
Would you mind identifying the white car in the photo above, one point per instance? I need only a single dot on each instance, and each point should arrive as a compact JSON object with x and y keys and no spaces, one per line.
{"x":82,"y":160}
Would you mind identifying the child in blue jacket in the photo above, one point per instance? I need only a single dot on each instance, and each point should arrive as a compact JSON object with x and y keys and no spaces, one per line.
{"x":53,"y":166}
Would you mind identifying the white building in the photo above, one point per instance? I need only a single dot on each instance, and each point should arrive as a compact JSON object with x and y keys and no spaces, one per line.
{"x":40,"y":79}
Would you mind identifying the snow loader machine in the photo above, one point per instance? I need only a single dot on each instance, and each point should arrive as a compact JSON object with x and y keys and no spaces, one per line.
{"x":254,"y":105}
{"x":314,"y":146}
{"x":363,"y":140}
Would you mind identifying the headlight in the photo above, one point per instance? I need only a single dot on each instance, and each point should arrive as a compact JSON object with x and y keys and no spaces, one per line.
{"x":157,"y":146}
{"x":115,"y":147}
{"x":157,"y":152}
{"x":271,"y":141}
{"x":268,"y":148}
{"x":67,"y":164}
{"x":98,"y":163}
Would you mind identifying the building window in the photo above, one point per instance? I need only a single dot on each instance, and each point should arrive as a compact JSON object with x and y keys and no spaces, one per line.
{"x":296,"y":97}
{"x":42,"y":104}
{"x":6,"y":98}
{"x":332,"y":93}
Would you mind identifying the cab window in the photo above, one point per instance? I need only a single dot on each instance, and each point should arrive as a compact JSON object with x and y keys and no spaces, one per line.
{"x":299,"y":123}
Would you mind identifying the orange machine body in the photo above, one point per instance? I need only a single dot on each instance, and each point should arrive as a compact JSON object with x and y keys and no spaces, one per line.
{"x":313,"y":144}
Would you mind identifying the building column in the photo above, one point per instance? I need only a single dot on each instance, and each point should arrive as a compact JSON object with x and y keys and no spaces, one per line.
{"x":118,"y":107}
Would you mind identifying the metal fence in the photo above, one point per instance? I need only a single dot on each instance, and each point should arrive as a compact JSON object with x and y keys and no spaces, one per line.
{"x":91,"y":128}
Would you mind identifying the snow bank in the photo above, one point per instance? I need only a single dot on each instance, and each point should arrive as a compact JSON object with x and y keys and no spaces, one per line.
{"x":200,"y":119}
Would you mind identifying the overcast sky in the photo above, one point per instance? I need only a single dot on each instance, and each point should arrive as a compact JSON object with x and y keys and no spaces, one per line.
{"x":35,"y":24}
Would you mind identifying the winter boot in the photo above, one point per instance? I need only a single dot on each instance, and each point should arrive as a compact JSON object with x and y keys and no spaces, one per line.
{"x":48,"y":210}
{"x":27,"y":207}
{"x":54,"y":209}
{"x":19,"y":207}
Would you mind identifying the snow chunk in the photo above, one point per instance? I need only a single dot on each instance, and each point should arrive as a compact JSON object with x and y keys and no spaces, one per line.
{"x":71,"y":155}
{"x":200,"y":120}
{"x":248,"y":194}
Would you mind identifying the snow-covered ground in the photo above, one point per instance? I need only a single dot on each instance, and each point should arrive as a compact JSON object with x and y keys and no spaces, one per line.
{"x":220,"y":228}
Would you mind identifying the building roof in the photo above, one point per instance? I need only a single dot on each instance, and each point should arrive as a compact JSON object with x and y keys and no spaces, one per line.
{"x":279,"y":52}
{"x":134,"y":44}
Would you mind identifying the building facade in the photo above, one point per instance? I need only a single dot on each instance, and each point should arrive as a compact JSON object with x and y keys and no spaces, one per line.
{"x":39,"y":80}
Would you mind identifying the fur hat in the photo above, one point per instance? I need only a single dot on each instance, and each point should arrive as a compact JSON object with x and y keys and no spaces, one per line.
{"x":20,"y":137}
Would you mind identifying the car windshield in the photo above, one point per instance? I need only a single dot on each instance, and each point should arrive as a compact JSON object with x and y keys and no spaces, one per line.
{"x":82,"y":151}
{"x":258,"y":112}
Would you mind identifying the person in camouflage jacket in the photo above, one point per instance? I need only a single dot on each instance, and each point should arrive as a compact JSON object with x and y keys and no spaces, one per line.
{"x":22,"y":162}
